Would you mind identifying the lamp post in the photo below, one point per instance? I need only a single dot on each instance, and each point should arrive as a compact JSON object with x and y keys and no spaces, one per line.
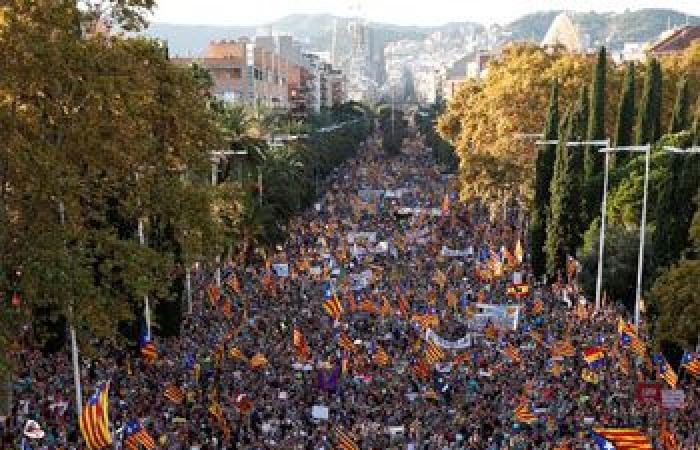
{"x":646,"y":149}
{"x":596,"y":143}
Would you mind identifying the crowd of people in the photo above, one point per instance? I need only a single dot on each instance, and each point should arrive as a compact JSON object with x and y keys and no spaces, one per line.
{"x":364,"y":330}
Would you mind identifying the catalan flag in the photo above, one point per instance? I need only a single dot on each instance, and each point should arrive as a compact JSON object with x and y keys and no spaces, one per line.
{"x":94,"y":421}
{"x":386,"y":308}
{"x":333,"y":307}
{"x":490,"y":330}
{"x":620,"y":439}
{"x":149,"y":352}
{"x":403,"y":305}
{"x":691,"y":363}
{"x":214,"y":293}
{"x":594,"y":356}
{"x":519,"y":253}
{"x":345,"y":440}
{"x":258,"y":360}
{"x":135,"y":434}
{"x":563,"y":348}
{"x":518,"y":290}
{"x":629,"y":338}
{"x":426,"y":320}
{"x":668,"y":439}
{"x":346,"y":343}
{"x":300,"y":344}
{"x":174,"y":394}
{"x":512,"y":353}
{"x":665,"y":371}
{"x":433,"y":353}
{"x":590,"y":376}
{"x":368,"y":306}
{"x":537,"y":306}
{"x":381,"y":357}
{"x":421,"y":369}
{"x":523,"y":414}
{"x":234,"y":284}
{"x":236,"y":353}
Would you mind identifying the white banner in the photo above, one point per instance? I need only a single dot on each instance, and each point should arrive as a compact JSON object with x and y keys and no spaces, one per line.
{"x":463,"y":342}
{"x":370,"y":236}
{"x":281,"y":270}
{"x":456,"y":253}
{"x":504,"y":317}
{"x":672,"y":399}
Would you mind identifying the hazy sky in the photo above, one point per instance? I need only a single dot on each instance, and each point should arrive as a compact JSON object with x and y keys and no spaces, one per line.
{"x":405,"y":12}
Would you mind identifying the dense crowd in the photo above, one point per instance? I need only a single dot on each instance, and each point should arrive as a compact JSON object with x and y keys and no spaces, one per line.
{"x":397,"y":271}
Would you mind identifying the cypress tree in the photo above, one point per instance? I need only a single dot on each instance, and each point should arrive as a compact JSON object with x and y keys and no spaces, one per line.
{"x":649,"y":120}
{"x":696,"y":124}
{"x":544,"y":166}
{"x":679,"y":119}
{"x":626,"y":114}
{"x":596,"y":121}
{"x":563,"y":223}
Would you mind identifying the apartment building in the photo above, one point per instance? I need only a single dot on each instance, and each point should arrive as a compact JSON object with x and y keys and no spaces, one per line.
{"x":270,"y":71}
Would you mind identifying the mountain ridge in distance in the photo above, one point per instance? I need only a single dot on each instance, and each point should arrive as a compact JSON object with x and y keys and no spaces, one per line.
{"x":314,"y":30}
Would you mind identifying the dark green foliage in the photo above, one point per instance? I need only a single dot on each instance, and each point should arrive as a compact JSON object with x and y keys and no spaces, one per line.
{"x":679,"y":119}
{"x":564,"y":222}
{"x":649,"y":119}
{"x":544,"y":167}
{"x":624,"y":130}
{"x":620,"y":262}
{"x":696,"y":124}
{"x":596,"y":121}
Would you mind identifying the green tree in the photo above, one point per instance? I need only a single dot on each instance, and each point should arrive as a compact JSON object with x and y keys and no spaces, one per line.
{"x":564,"y":222}
{"x":676,"y":296}
{"x":544,"y":166}
{"x":649,"y":119}
{"x":596,"y":121}
{"x":679,"y":120}
{"x":624,"y":130}
{"x":696,"y":123}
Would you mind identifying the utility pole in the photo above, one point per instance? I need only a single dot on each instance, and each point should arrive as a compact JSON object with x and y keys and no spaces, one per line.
{"x":73,"y":338}
{"x":640,"y":262}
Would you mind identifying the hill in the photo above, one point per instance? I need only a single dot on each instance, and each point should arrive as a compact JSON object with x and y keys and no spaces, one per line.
{"x":610,"y":29}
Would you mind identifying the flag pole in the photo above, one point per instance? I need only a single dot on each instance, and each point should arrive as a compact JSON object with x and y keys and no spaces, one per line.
{"x":73,"y":340}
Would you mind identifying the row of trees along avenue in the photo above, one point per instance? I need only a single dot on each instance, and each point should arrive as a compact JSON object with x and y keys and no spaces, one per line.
{"x":101,"y":132}
{"x":576,"y":97}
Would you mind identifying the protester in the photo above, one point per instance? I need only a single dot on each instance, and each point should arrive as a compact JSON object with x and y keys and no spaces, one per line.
{"x":390,"y":241}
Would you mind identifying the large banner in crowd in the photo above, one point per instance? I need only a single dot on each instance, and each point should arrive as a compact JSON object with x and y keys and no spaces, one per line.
{"x":463,"y":342}
{"x":504,"y":317}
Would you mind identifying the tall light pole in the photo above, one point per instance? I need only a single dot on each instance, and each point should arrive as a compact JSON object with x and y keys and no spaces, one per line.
{"x":646,"y":149}
{"x":601,"y":246}
{"x":73,"y":338}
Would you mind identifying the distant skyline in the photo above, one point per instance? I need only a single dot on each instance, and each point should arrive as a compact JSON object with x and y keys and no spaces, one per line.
{"x":401,"y":12}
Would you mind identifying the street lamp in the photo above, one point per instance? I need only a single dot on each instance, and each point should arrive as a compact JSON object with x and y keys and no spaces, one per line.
{"x":640,"y":263}
{"x":595,"y":143}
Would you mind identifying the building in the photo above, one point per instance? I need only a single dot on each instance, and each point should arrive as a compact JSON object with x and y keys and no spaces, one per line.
{"x":563,"y":32}
{"x":271,"y":72}
{"x":675,"y":40}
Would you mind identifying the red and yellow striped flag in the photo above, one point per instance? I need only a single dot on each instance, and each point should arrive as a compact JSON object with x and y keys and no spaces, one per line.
{"x":346,"y":343}
{"x":94,"y":420}
{"x":512,"y":353}
{"x":433,"y":353}
{"x":625,"y":438}
{"x":381,"y":357}
{"x":174,"y":394}
{"x":300,"y":345}
{"x":333,"y":307}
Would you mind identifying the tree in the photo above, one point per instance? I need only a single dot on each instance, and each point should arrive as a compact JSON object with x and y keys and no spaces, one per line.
{"x":596,"y":121}
{"x":649,"y":119}
{"x":679,"y":120}
{"x":483,"y":117}
{"x":696,"y":123}
{"x":564,"y":223}
{"x":675,"y":296}
{"x":620,"y":263}
{"x":624,"y":130}
{"x":544,"y":167}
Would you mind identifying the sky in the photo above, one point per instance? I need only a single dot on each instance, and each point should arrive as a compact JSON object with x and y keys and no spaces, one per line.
{"x":402,"y":12}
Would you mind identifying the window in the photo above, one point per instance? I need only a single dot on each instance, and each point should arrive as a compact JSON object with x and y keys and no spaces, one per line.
{"x":236,"y":74}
